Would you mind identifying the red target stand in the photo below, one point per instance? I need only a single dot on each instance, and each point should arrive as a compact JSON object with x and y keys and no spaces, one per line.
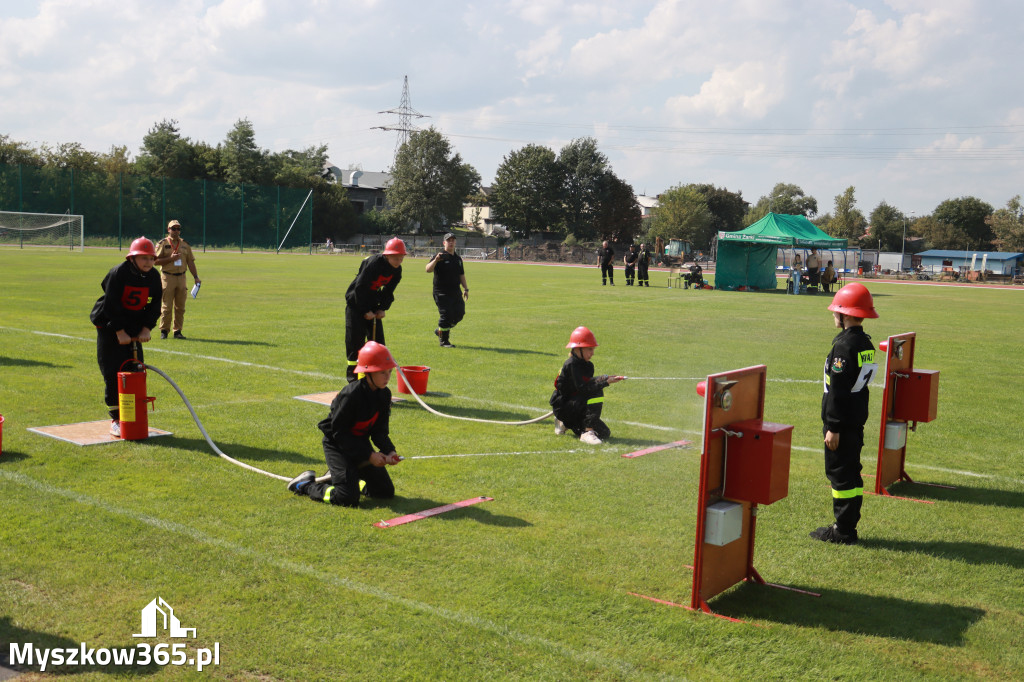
{"x":744,"y":463}
{"x":909,"y":396}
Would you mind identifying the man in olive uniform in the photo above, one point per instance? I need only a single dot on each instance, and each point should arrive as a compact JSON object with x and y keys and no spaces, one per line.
{"x":174,"y":256}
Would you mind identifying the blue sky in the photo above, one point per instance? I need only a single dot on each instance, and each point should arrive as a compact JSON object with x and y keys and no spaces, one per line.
{"x":910,"y":101}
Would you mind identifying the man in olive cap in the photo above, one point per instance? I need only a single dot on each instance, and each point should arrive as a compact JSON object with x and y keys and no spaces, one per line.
{"x":174,"y":255}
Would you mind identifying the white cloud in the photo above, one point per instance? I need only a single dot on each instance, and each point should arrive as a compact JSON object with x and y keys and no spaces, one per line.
{"x":540,"y":56}
{"x":639,"y":75}
{"x":748,"y":91}
{"x":233,"y":15}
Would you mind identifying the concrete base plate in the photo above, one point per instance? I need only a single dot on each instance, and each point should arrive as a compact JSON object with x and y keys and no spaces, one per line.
{"x":87,"y":433}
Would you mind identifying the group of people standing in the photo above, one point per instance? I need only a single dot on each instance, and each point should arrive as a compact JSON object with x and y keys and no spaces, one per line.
{"x":814,"y":276}
{"x":637,"y":261}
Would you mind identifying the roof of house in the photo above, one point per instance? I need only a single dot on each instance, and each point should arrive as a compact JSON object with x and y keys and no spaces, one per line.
{"x":353,"y":177}
{"x":992,"y":255}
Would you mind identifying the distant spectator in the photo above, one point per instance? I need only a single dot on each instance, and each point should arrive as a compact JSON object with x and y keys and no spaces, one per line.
{"x":629,"y":260}
{"x":605,"y":255}
{"x":643,"y":261}
{"x":828,"y":278}
{"x":813,"y":269}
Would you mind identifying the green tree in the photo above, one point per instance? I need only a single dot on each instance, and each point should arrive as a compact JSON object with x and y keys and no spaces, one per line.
{"x":786,"y":199}
{"x":527,"y":190}
{"x":244,"y":161}
{"x":969,"y":218}
{"x":887,"y":223}
{"x":69,"y":155}
{"x":1008,"y":226}
{"x":583,"y":167}
{"x":165,"y":153}
{"x":117,"y":160}
{"x":682,"y":213}
{"x":430,"y":181}
{"x":13,"y":152}
{"x":618,"y":217}
{"x":847,"y":222}
{"x":936,"y":234}
{"x":727,"y":208}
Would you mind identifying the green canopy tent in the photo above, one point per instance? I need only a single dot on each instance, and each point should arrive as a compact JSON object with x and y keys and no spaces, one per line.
{"x":747,"y":257}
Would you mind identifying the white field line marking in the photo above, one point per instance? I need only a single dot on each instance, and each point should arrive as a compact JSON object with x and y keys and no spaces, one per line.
{"x":150,"y":349}
{"x":510,"y":405}
{"x":770,"y":380}
{"x":469,"y":620}
{"x":498,"y":454}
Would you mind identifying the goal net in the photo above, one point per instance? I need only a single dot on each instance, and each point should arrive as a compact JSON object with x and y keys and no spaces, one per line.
{"x":42,"y":229}
{"x":473,"y":253}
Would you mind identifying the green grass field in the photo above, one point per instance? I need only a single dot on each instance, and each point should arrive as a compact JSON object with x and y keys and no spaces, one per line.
{"x":534,"y":584}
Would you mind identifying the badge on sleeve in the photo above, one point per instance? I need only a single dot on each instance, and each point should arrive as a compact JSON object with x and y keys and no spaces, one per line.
{"x":837,"y":365}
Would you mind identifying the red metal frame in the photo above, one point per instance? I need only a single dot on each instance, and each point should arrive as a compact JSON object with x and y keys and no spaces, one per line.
{"x":885,"y":469}
{"x":745,"y":409}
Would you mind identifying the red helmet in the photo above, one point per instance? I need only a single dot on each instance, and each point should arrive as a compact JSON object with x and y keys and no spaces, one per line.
{"x":854,"y":300}
{"x":373,"y":357}
{"x":395,"y":247}
{"x":141,"y":247}
{"x":581,"y":337}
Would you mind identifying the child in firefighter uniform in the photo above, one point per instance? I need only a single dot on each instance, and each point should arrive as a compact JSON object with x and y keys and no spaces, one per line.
{"x":127,"y":310}
{"x":369,"y":295}
{"x":849,"y":369}
{"x":360,"y":413}
{"x":579,"y":395}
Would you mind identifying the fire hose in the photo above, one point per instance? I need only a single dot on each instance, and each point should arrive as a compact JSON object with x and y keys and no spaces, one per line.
{"x":325,"y":477}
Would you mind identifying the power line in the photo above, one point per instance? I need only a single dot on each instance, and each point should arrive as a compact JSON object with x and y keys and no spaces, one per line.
{"x":405,"y":114}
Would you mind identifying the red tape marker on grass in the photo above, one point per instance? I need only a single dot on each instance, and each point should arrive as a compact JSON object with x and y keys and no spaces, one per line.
{"x":409,"y":518}
{"x":657,"y":448}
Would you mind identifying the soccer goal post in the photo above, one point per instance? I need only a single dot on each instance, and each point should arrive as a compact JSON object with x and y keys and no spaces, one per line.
{"x":42,"y":229}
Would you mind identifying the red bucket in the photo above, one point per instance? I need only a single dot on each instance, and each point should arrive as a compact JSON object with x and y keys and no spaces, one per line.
{"x":417,"y":376}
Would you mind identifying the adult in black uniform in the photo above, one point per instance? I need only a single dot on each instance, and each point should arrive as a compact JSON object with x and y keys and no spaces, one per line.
{"x":849,"y":368}
{"x":605,"y":255}
{"x":696,"y":277}
{"x":360,"y":413}
{"x":643,"y":261}
{"x":368,"y":297}
{"x":579,"y":395}
{"x":629,"y":260}
{"x":127,"y":310}
{"x":449,"y":275}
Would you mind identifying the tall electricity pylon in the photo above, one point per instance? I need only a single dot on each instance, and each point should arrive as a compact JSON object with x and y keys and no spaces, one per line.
{"x":405,"y":114}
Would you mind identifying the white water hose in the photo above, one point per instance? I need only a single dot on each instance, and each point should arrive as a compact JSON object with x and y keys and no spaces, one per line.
{"x":325,"y":477}
{"x":431,"y":410}
{"x":206,"y":435}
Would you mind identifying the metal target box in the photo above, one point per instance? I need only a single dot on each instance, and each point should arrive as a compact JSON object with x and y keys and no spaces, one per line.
{"x":757,"y":461}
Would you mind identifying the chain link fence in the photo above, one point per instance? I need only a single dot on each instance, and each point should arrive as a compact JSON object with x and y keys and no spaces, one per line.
{"x":119,"y":207}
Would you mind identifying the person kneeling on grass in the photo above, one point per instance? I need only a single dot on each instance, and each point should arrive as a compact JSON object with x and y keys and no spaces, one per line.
{"x":579,"y":395}
{"x":360,"y":413}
